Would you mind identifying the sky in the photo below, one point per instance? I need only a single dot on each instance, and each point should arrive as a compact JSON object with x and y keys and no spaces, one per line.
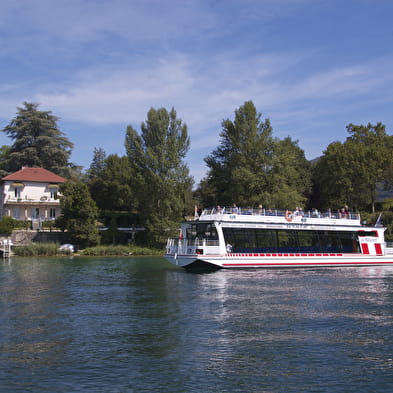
{"x":310,"y":66}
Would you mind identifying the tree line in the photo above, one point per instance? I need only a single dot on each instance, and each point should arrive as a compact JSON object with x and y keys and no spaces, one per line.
{"x":150,"y":185}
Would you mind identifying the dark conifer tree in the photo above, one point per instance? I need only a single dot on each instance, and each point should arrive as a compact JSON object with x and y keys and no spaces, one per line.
{"x":37,"y":142}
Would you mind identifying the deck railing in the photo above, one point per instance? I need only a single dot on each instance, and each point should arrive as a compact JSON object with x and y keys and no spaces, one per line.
{"x":192,"y":242}
{"x":281,"y":213}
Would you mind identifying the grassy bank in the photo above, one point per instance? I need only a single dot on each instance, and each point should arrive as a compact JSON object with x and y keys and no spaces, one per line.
{"x":120,"y":250}
{"x":52,"y":249}
{"x":39,"y":249}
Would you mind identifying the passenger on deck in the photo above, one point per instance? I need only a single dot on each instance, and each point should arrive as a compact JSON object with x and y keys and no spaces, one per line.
{"x":260,"y":210}
{"x":218,"y":209}
{"x":235,"y":209}
{"x":315,"y":212}
{"x":344,"y":212}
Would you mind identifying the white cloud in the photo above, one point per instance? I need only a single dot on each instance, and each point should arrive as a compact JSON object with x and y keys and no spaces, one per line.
{"x":203,"y":97}
{"x":105,"y":63}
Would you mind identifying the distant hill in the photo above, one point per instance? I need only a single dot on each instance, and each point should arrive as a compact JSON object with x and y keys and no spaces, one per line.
{"x":314,"y":160}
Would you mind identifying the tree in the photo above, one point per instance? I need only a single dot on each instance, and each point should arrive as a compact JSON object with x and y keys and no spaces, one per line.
{"x":331,"y":185}
{"x":240,"y":168}
{"x":97,"y":165}
{"x":160,"y":177}
{"x":350,"y":173}
{"x":110,"y":184}
{"x":250,"y":167}
{"x":291,"y":175}
{"x":371,"y":151}
{"x":37,"y":141}
{"x":4,"y":153}
{"x":79,"y":214}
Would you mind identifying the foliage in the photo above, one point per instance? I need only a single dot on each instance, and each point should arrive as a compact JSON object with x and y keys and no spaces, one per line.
{"x":79,"y":214}
{"x":349,"y":173}
{"x":49,"y":224}
{"x":4,"y":154}
{"x":291,"y":175}
{"x":387,"y":221}
{"x":37,"y":142}
{"x":110,"y":183}
{"x":240,"y":167}
{"x":8,"y":224}
{"x":160,"y":179}
{"x":387,"y":204}
{"x":97,"y":165}
{"x":250,"y":167}
{"x":39,"y":249}
{"x":120,"y":250}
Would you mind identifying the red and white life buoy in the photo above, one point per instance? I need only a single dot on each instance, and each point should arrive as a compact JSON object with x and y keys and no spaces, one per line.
{"x":288,"y":215}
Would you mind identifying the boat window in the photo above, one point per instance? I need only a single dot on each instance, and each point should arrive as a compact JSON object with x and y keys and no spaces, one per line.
{"x":202,"y":231}
{"x":247,"y":239}
{"x":368,"y":233}
{"x":282,"y":240}
{"x":308,"y":241}
{"x":287,"y":241}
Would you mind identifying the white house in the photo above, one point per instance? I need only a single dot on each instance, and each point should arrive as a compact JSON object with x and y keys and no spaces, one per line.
{"x":31,"y":194}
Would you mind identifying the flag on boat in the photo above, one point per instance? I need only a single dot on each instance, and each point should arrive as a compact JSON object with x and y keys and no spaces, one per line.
{"x":378,"y":223}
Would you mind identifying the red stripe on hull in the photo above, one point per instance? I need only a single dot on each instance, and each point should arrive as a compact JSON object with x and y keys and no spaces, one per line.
{"x":309,"y":263}
{"x":287,"y":255}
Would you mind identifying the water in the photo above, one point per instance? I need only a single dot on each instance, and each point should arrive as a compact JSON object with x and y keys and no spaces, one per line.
{"x":141,"y":325}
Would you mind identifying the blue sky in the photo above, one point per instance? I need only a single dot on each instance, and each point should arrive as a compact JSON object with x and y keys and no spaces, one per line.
{"x":310,"y":66}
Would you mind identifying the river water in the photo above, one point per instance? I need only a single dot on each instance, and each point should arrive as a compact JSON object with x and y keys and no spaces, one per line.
{"x":141,"y":325}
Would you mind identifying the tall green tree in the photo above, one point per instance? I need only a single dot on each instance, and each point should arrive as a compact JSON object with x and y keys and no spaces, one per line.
{"x":250,"y":167}
{"x":97,"y":165}
{"x":160,"y":176}
{"x":79,"y":214}
{"x":4,"y":154}
{"x":290,"y":174}
{"x":110,"y":184}
{"x":37,"y":141}
{"x":240,"y":167}
{"x":350,"y":173}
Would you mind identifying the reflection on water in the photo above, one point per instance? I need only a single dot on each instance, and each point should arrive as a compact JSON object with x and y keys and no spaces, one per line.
{"x":141,"y":325}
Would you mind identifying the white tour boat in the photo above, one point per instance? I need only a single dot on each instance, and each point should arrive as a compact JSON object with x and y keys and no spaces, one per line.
{"x":259,"y":238}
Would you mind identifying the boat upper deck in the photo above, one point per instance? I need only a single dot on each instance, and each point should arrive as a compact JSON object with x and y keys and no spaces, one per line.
{"x":274,"y":216}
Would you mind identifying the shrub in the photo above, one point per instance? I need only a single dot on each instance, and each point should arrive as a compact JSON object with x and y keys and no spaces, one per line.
{"x":39,"y":249}
{"x":119,"y":250}
{"x":7,"y":225}
{"x":50,"y":224}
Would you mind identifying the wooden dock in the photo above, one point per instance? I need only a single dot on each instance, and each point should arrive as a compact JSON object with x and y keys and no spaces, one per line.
{"x":6,"y":248}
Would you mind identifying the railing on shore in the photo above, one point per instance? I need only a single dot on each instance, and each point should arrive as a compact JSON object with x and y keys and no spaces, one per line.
{"x":6,"y":248}
{"x":281,"y":213}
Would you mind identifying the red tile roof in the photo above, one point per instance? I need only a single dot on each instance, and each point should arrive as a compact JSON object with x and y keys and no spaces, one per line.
{"x":35,"y":174}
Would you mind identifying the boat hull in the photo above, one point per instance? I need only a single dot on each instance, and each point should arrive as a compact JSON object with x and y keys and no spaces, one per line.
{"x":234,"y":261}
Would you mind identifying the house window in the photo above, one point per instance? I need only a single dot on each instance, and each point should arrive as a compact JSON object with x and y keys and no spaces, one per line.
{"x":52,"y":212}
{"x":35,"y":213}
{"x":17,"y":192}
{"x":53,"y":189}
{"x":16,"y":213}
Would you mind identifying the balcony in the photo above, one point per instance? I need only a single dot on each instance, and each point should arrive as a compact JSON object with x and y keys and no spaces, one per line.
{"x":32,"y":201}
